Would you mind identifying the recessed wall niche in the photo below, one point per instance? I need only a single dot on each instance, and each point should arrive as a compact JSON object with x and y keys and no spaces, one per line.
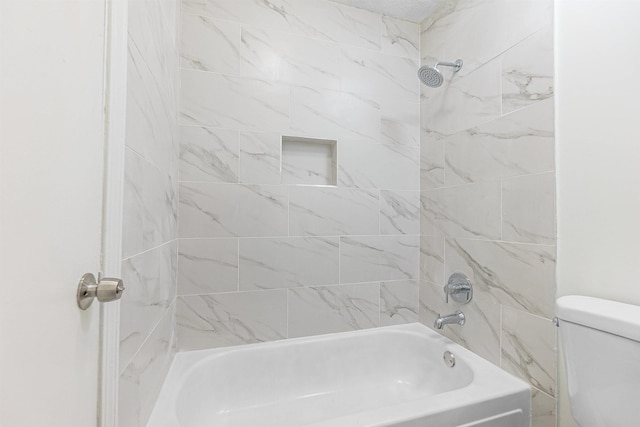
{"x":308,"y":161}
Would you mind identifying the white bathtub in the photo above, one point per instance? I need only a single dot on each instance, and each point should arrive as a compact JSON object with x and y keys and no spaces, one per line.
{"x":393,"y":376}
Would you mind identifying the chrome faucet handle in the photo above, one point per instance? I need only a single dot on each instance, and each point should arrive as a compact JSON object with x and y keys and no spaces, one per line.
{"x":459,"y":287}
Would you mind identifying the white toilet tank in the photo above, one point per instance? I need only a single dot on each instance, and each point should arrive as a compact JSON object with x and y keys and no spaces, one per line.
{"x":601,"y":344}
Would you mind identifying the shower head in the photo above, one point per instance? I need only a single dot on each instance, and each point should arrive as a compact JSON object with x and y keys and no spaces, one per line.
{"x":432,"y":77}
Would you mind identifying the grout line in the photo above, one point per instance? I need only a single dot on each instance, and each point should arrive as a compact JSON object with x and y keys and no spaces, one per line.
{"x":500,"y":340}
{"x":339,"y":259}
{"x":150,"y":250}
{"x":238,"y":267}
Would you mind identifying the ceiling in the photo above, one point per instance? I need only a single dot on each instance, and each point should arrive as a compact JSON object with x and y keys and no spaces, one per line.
{"x":411,"y":10}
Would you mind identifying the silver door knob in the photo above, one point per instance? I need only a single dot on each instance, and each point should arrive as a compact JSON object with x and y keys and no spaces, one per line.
{"x":108,"y":289}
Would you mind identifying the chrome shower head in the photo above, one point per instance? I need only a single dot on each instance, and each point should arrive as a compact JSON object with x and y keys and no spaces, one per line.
{"x":432,"y":77}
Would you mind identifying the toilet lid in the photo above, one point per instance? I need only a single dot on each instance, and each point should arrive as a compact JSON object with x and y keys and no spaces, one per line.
{"x":609,"y":316}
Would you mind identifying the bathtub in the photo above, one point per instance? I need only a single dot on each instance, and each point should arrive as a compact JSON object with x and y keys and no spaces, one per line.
{"x":391,"y":376}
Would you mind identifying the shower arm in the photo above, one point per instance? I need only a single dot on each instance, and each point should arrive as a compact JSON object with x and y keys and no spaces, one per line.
{"x":457,"y":65}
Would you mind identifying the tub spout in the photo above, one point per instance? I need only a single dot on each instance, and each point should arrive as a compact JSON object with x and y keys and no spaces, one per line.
{"x":449,"y":319}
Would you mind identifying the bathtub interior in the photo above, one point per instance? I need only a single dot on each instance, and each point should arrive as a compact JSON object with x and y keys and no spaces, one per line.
{"x":391,"y":376}
{"x":298,"y":382}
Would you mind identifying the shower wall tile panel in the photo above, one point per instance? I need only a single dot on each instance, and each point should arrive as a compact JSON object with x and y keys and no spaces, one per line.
{"x":220,"y":320}
{"x":300,"y":61}
{"x":432,"y":161}
{"x":365,"y":258}
{"x":150,"y":205}
{"x":328,"y":309}
{"x":150,"y":280}
{"x":141,"y":381}
{"x":331,"y":114}
{"x":528,"y":206}
{"x":398,"y":302}
{"x":259,"y":158}
{"x":488,"y":185}
{"x":290,"y":262}
{"x":527,"y":71}
{"x":218,"y":100}
{"x":471,"y":210}
{"x":261,"y":256}
{"x":529,"y":348}
{"x":323,"y":20}
{"x":209,"y":44}
{"x":223,"y":210}
{"x":400,"y":37}
{"x":328,"y":211}
{"x":383,"y":166}
{"x":149,"y":247}
{"x":477,"y":30}
{"x":208,"y":154}
{"x":207,"y":266}
{"x":399,"y":212}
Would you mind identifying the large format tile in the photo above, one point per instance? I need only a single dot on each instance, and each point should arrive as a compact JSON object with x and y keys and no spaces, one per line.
{"x":463,"y":102}
{"x":529,"y":349}
{"x":208,"y":154}
{"x":398,"y":302}
{"x":150,"y":206}
{"x":328,"y":309}
{"x":529,"y":209}
{"x":276,"y":14}
{"x":211,"y":99}
{"x":431,"y":161}
{"x":328,"y":114}
{"x":300,"y":61}
{"x":327,"y":211}
{"x":520,"y":276}
{"x":379,"y":258}
{"x":400,"y":37}
{"x":259,"y":158}
{"x":399,"y":212}
{"x":527,"y":71}
{"x":150,"y":279}
{"x":337,"y":22}
{"x":388,"y":167}
{"x":400,"y":123}
{"x":323,"y":20}
{"x":479,"y":30}
{"x":152,"y":83}
{"x":141,"y":380}
{"x":267,"y":263}
{"x":432,"y":259}
{"x":471,"y":210}
{"x":207,"y":266}
{"x":206,"y":321}
{"x":543,"y":409}
{"x":383,"y":77}
{"x":210,"y":45}
{"x":516,"y":144}
{"x":225,"y":210}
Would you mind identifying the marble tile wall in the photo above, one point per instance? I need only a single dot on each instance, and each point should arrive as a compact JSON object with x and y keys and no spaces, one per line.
{"x":258,"y":258}
{"x":487,"y":181}
{"x":150,"y":247}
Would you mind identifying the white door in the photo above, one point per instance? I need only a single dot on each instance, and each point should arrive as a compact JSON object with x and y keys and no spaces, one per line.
{"x":52,"y":164}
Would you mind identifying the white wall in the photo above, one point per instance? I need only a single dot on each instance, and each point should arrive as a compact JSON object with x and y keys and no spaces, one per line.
{"x":598,"y":151}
